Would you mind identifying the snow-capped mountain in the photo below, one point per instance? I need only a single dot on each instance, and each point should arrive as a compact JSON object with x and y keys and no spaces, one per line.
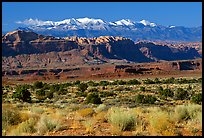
{"x":90,"y":27}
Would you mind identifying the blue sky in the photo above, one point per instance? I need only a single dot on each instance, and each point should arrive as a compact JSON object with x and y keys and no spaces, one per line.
{"x":188,"y":14}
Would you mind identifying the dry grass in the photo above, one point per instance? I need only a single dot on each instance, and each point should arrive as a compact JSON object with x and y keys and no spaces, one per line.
{"x":121,"y":119}
{"x":48,"y":123}
{"x":86,"y":112}
{"x":89,"y":125}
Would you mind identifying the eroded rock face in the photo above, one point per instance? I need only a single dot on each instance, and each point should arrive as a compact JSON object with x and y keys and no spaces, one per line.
{"x":25,"y":49}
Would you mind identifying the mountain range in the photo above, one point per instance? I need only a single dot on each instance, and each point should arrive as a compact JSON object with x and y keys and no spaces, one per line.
{"x":135,"y":30}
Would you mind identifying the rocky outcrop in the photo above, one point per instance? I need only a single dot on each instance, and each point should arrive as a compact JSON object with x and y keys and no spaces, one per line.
{"x":25,"y":49}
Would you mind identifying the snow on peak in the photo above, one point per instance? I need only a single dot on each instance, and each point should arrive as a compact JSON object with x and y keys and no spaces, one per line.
{"x":35,"y":22}
{"x":124,"y":22}
{"x":67,"y":21}
{"x":144,"y":22}
{"x":172,"y":26}
{"x":83,"y":23}
{"x":90,"y":20}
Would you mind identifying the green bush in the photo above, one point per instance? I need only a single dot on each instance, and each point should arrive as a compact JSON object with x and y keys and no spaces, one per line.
{"x":40,"y":92}
{"x":54,"y":88}
{"x":82,"y":87}
{"x":145,"y":99}
{"x":22,"y":94}
{"x":62,"y":91}
{"x":49,"y":94}
{"x":148,"y":81}
{"x":106,"y":94}
{"x":38,"y":85}
{"x":169,"y":80}
{"x":81,"y":94}
{"x":181,"y":94}
{"x":157,"y":81}
{"x":160,"y":89}
{"x":197,"y":98}
{"x":103,"y":83}
{"x":121,"y":82}
{"x":92,"y":83}
{"x":93,"y":90}
{"x":93,"y":98}
{"x":76,"y":82}
{"x":166,"y":93}
{"x":133,"y":82}
{"x":142,"y":88}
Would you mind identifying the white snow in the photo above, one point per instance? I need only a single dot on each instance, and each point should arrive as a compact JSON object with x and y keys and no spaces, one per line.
{"x":144,"y":22}
{"x":83,"y":23}
{"x":124,"y":22}
{"x":172,"y":26}
{"x":90,"y":20}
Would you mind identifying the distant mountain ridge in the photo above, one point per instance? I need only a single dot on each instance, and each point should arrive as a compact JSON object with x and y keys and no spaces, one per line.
{"x":89,"y":27}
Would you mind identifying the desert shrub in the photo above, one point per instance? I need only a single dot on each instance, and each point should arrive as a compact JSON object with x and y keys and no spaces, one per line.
{"x":157,"y":81}
{"x":140,"y":98}
{"x":148,"y":81}
{"x":67,"y":84}
{"x":107,"y":94}
{"x":160,"y":89}
{"x":82,"y":87}
{"x":115,"y":82}
{"x":54,"y":87}
{"x":62,"y":91}
{"x":100,"y":108}
{"x":169,"y":80}
{"x":49,"y":94}
{"x":197,"y":98}
{"x":22,"y":94}
{"x":25,"y":127}
{"x":199,"y":119}
{"x":133,"y":82}
{"x":92,"y":83}
{"x":81,"y":94}
{"x":77,"y":82}
{"x":104,"y":83}
{"x":181,"y":113}
{"x":121,"y":119}
{"x":38,"y":84}
{"x":120,"y":88}
{"x":142,"y":88}
{"x":40,"y":92}
{"x":89,"y":125}
{"x":145,"y":99}
{"x":47,"y":123}
{"x":160,"y":123}
{"x":93,"y":98}
{"x":186,"y":112}
{"x":193,"y":110}
{"x":10,"y":117}
{"x":101,"y":116}
{"x":181,"y":94}
{"x":166,"y":93}
{"x":86,"y":112}
{"x":200,"y":80}
{"x":121,"y":82}
{"x":38,"y":110}
{"x":93,"y":90}
{"x":45,"y":86}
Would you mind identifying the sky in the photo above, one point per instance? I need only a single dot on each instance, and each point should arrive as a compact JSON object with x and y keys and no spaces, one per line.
{"x":188,"y":14}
